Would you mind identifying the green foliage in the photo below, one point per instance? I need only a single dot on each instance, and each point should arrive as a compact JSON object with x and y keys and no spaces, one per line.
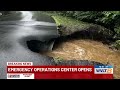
{"x":58,"y":59}
{"x":69,"y":25}
{"x":116,"y":45}
{"x":87,"y":15}
{"x":117,"y":30}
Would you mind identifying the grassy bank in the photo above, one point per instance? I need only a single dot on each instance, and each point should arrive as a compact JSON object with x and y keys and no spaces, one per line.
{"x":68,"y":26}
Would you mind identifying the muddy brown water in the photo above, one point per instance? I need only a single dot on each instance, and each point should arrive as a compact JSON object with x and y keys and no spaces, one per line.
{"x":87,"y":50}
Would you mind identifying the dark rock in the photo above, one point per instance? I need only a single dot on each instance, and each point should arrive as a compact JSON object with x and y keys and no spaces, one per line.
{"x":39,"y":46}
{"x":77,"y":62}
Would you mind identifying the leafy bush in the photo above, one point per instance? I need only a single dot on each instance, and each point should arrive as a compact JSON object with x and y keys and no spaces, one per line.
{"x":116,"y":45}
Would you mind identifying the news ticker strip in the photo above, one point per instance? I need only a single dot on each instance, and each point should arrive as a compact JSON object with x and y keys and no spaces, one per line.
{"x":26,"y":70}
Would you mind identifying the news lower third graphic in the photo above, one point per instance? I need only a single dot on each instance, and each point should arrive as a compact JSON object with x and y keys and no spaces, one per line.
{"x":26,"y":70}
{"x":21,"y":75}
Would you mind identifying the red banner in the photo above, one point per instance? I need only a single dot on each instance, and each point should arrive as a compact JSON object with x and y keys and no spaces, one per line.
{"x":58,"y":72}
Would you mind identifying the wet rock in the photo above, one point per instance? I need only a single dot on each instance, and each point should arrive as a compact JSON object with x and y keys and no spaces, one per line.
{"x":77,"y":62}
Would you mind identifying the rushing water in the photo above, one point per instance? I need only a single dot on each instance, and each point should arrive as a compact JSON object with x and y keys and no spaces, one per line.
{"x":87,"y":50}
{"x":27,"y":16}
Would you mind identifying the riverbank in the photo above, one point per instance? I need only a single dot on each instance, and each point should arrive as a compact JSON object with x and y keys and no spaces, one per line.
{"x":83,"y":41}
